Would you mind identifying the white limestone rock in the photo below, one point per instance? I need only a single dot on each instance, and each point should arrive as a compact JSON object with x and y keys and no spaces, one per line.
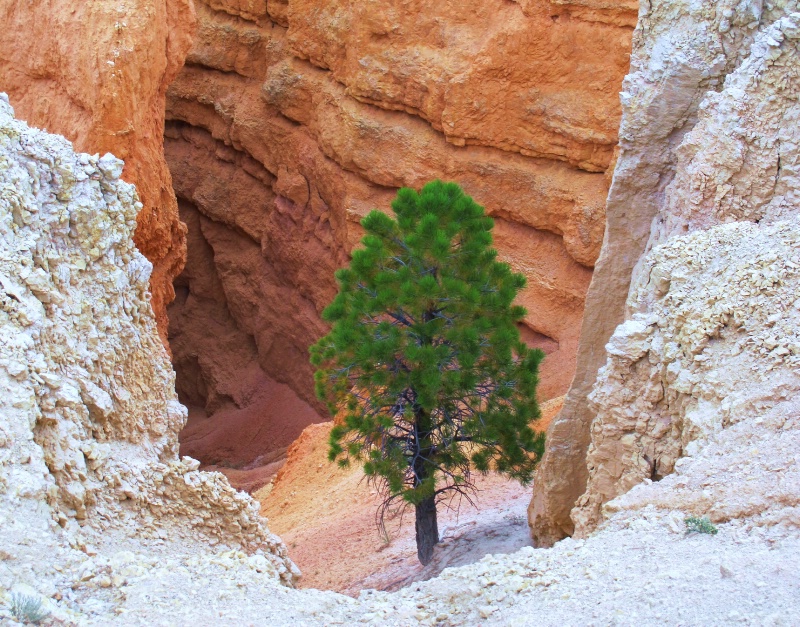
{"x":722,"y":353}
{"x":89,"y":418}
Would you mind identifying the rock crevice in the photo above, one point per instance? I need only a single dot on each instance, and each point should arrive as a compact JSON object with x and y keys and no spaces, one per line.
{"x":337,"y":106}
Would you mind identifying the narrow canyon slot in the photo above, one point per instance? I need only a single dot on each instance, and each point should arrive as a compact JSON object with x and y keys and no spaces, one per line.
{"x":278,"y":144}
{"x":180,"y":180}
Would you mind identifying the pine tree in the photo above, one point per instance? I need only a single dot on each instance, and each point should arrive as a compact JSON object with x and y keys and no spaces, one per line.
{"x":424,"y":359}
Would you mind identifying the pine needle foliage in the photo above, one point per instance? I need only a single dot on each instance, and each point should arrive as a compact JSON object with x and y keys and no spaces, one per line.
{"x":424,"y":359}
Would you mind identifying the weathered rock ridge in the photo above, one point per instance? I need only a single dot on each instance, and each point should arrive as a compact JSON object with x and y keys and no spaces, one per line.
{"x":89,"y":418}
{"x":708,"y":136}
{"x":291,"y":120}
{"x":709,"y":356}
{"x":97,"y":73}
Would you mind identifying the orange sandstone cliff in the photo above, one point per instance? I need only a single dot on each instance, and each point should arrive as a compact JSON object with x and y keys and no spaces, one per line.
{"x":291,"y":120}
{"x":97,"y":73}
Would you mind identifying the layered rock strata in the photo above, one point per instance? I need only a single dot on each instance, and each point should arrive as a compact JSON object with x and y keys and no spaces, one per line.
{"x":708,"y":136}
{"x":97,"y":73}
{"x":89,"y":418}
{"x":291,"y":120}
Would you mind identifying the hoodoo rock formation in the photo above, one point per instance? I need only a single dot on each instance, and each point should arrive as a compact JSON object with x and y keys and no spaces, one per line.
{"x":291,"y":120}
{"x":709,"y":136}
{"x":97,"y":73}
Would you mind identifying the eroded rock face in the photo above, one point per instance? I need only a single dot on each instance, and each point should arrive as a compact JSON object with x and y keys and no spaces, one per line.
{"x":529,"y":77}
{"x":89,"y":418}
{"x":708,"y":131}
{"x":97,"y":73}
{"x":294,"y":119}
{"x":712,"y":346}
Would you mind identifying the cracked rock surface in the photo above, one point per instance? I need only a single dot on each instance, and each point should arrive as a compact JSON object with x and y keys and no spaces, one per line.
{"x":709,"y":136}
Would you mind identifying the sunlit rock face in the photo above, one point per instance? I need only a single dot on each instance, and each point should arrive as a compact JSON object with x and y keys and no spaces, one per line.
{"x":708,"y":137}
{"x":292,"y":120}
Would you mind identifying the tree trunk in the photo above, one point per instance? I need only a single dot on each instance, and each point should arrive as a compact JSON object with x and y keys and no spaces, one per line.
{"x":427,"y":529}
{"x":426,"y":525}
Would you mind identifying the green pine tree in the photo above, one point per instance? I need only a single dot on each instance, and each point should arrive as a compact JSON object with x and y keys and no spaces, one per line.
{"x":424,"y":358}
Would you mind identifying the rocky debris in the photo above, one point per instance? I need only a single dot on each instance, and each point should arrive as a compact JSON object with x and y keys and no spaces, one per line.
{"x":88,"y":414}
{"x":97,"y":74}
{"x":707,"y":137}
{"x":291,"y":121}
{"x":633,"y":569}
{"x":765,"y":489}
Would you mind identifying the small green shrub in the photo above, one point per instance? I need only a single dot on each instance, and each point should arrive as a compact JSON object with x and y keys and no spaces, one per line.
{"x":699,"y":525}
{"x":28,"y":609}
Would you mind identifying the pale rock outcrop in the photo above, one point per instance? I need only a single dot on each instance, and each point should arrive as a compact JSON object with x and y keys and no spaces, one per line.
{"x":711,"y":355}
{"x":97,"y":73}
{"x":88,"y":413}
{"x":708,"y":136}
{"x":292,"y":119}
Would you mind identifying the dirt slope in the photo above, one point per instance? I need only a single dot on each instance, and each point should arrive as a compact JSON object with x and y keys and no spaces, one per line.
{"x":326,"y":516}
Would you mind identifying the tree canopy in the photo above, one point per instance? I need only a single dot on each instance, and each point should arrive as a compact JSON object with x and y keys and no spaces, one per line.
{"x":423,"y":365}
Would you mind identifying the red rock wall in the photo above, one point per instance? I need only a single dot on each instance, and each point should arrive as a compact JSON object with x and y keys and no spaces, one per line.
{"x":292,"y":119}
{"x":97,"y":73}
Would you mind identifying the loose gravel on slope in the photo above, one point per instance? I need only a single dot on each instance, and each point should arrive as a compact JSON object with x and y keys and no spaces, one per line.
{"x":640,"y":569}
